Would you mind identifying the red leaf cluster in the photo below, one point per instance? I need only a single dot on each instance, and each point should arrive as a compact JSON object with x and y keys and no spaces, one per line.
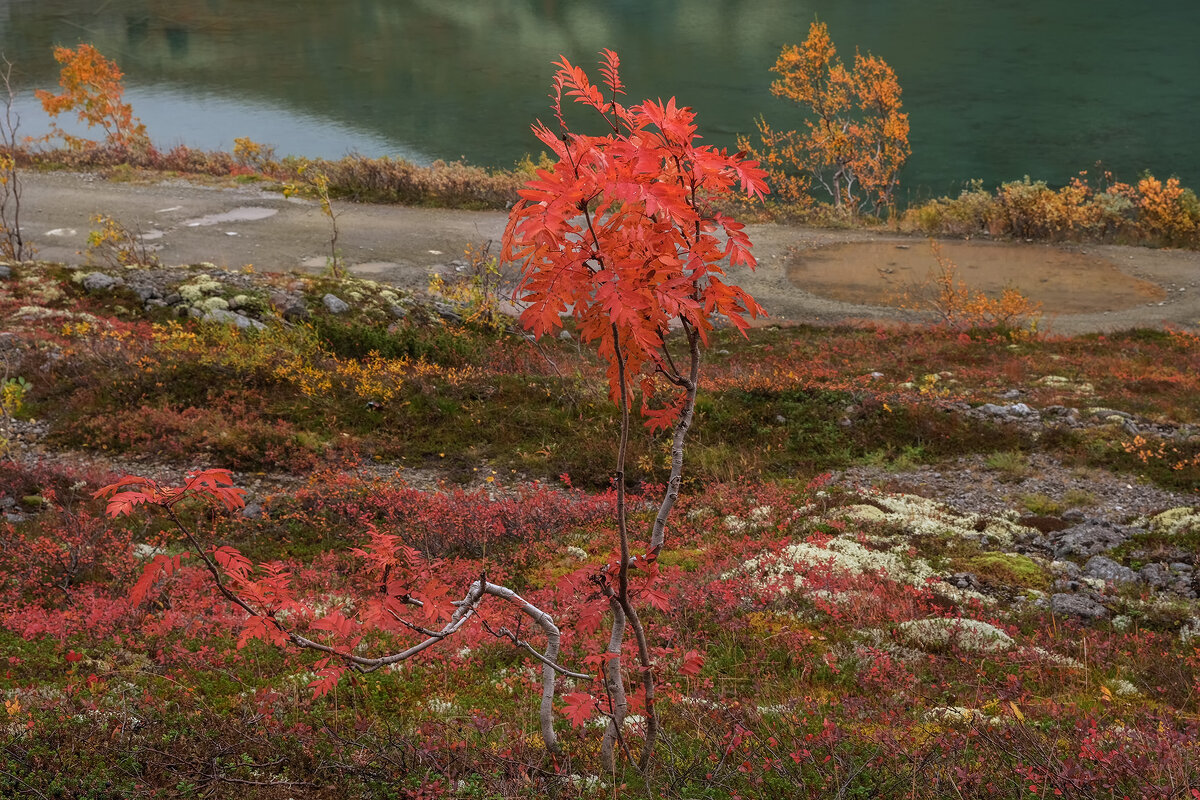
{"x":619,"y":234}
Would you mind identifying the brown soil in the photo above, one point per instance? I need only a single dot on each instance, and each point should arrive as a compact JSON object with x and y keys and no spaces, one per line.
{"x":894,"y":274}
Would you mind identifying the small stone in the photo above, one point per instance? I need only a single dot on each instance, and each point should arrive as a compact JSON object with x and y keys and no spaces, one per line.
{"x":334,"y":304}
{"x":397,"y":311}
{"x":99,"y":282}
{"x":5,"y":272}
{"x":221,"y":316}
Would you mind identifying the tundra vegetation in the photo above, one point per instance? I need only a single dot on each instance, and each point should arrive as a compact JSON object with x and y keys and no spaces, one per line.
{"x":385,"y":548}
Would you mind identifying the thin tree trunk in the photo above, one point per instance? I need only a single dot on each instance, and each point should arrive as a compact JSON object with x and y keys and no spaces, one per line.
{"x":616,"y":689}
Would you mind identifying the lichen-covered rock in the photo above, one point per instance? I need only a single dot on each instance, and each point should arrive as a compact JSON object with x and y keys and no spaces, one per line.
{"x":210,"y":304}
{"x":1077,"y":605}
{"x":1087,"y":539}
{"x":221,"y":316}
{"x":1108,"y":570}
{"x":970,"y":635}
{"x":99,"y":282}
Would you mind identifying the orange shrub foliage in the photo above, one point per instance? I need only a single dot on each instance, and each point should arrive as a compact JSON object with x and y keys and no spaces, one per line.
{"x":1153,"y":212}
{"x":962,"y":308}
{"x":1168,"y":210}
{"x":857,"y":139}
{"x":92,"y":88}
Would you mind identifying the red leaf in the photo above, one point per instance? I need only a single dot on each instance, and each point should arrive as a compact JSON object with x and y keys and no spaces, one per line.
{"x":265,"y":628}
{"x":579,"y":708}
{"x":657,"y":599}
{"x":693,"y":662}
{"x":328,"y":676}
{"x":160,"y":567}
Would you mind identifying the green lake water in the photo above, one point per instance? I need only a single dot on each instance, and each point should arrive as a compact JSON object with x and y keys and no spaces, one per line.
{"x":995,"y":89}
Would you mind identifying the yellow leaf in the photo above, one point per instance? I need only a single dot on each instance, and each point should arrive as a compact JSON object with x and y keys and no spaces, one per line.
{"x":1016,"y":711}
{"x":13,"y":707}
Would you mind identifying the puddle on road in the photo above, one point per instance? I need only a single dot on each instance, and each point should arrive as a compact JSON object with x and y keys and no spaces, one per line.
{"x":243,"y":214}
{"x":881,"y":273}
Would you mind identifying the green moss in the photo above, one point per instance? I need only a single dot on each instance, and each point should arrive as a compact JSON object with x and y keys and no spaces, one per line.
{"x":1010,"y":569}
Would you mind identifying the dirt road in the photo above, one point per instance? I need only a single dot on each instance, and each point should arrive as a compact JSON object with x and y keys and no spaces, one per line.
{"x":805,"y":275}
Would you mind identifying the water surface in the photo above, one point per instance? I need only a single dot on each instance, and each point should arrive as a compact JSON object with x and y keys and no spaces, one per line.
{"x":996,"y":89}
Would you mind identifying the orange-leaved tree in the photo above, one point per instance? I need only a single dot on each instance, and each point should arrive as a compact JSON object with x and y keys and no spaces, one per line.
{"x":619,"y":235}
{"x":856,"y":139}
{"x":92,"y":88}
{"x":619,"y":232}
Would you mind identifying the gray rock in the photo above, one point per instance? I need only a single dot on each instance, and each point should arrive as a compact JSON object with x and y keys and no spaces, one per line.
{"x":99,"y":282}
{"x":1067,"y":568}
{"x":565,"y":335}
{"x":221,"y":316}
{"x":1014,"y":411}
{"x":145,"y":293}
{"x":154,"y":302}
{"x":1108,"y":570}
{"x":5,"y":272}
{"x":253,"y":510}
{"x":1158,"y":575}
{"x":1077,"y":605}
{"x":397,"y":311}
{"x":1087,"y":539}
{"x":334,"y":304}
{"x":174,"y":298}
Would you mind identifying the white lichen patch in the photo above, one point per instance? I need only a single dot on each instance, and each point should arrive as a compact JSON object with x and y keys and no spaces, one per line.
{"x":440,"y":707}
{"x":1176,"y":521}
{"x":961,"y":715}
{"x":971,"y":635}
{"x":844,"y":554}
{"x":213,"y":304}
{"x":41,"y":313}
{"x":1122,"y":688}
{"x":924,"y":517}
{"x":198,"y":287}
{"x":1051,"y":658}
{"x":754,"y":520}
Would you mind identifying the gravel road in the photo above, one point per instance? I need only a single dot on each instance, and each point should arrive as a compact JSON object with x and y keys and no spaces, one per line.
{"x":234,"y":226}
